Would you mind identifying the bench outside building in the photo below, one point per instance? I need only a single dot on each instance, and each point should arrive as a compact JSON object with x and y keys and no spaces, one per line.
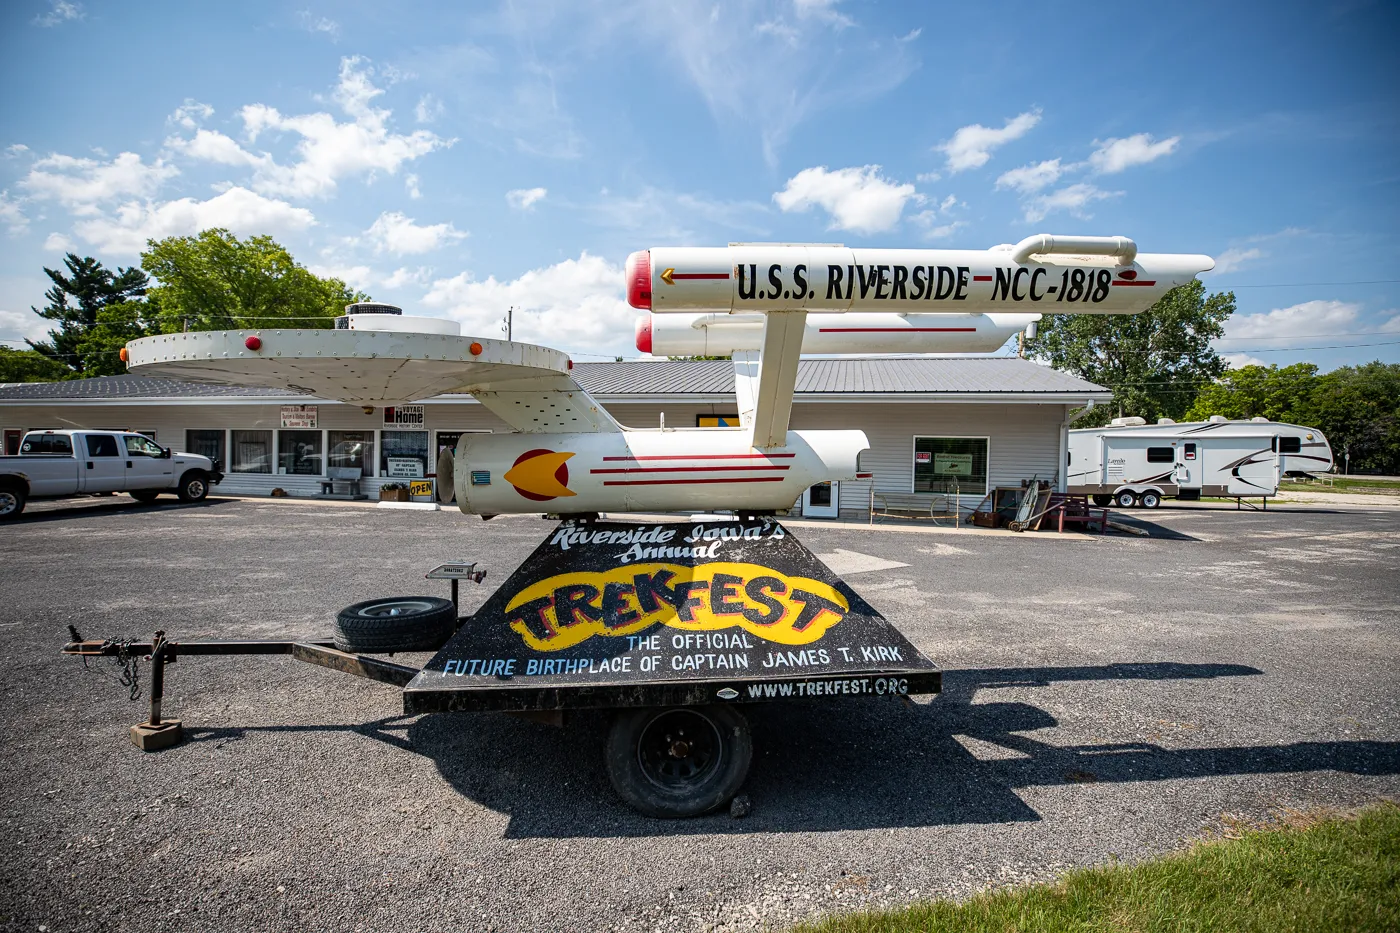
{"x":350,"y":476}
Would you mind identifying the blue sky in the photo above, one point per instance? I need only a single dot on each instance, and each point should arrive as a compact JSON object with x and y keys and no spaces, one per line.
{"x":458,"y":158}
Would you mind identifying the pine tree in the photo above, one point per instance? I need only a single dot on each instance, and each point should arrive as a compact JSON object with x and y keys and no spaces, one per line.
{"x":76,"y":301}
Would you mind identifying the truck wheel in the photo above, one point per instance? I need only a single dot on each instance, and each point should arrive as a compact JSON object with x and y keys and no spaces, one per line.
{"x":398,"y":623}
{"x":194,"y":486}
{"x":144,"y":495}
{"x":11,"y":502}
{"x":1150,"y":500}
{"x":1102,"y":500}
{"x":679,"y":762}
{"x":1125,"y":499}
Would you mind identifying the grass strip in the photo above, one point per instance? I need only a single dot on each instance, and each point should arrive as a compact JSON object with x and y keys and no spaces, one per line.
{"x":1309,"y":873}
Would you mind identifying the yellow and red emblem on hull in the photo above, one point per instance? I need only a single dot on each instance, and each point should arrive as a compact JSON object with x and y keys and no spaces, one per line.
{"x":541,"y":474}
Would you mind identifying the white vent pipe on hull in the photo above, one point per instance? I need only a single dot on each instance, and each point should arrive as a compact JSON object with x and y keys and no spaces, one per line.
{"x":1093,"y":275}
{"x":723,"y":334}
{"x":690,"y":469}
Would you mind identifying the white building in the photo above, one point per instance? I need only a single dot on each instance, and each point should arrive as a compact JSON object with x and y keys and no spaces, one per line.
{"x":932,"y":423}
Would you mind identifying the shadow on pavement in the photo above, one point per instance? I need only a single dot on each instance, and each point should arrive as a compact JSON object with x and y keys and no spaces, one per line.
{"x":117,"y":505}
{"x":837,"y":765}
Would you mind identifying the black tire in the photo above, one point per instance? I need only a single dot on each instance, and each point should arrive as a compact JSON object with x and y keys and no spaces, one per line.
{"x":395,"y":623}
{"x":12,"y":500}
{"x":1102,"y":500}
{"x":1125,"y":499}
{"x":146,"y":496}
{"x":194,"y":486}
{"x":679,"y":762}
{"x":1150,"y":500}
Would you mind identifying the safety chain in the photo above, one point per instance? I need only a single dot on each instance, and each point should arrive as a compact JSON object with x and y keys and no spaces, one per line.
{"x":128,"y":662}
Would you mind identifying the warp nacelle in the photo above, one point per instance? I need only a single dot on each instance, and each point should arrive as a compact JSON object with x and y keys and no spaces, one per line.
{"x":1052,"y":274}
{"x":694,"y":469}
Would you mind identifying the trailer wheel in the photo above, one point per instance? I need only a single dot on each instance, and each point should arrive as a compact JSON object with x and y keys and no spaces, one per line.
{"x":679,"y":762}
{"x":1125,"y":499}
{"x":1102,"y":500}
{"x":1150,"y":500}
{"x":398,"y":623}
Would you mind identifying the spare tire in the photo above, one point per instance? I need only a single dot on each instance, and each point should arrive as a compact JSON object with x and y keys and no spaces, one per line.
{"x":395,"y":623}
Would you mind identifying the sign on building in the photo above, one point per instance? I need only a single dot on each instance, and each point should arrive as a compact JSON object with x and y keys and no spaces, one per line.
{"x":923,"y":456}
{"x":298,"y":416}
{"x":953,"y":464}
{"x":405,"y":467}
{"x":404,"y":415}
{"x":421,"y":488}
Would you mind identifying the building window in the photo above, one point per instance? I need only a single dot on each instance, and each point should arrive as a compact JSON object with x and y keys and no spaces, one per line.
{"x":352,"y":449}
{"x":950,"y":464}
{"x":252,"y":452}
{"x":405,"y":454}
{"x":1161,"y":455}
{"x":299,"y":453}
{"x":206,"y":444}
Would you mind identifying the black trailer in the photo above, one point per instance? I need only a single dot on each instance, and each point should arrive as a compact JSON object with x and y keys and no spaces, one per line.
{"x":674,"y":625}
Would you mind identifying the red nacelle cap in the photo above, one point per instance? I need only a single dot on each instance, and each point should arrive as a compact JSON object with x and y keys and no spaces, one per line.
{"x":639,"y":280}
{"x":644,"y":334}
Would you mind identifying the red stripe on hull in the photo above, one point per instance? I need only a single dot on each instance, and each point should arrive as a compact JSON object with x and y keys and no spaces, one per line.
{"x":703,"y":457}
{"x":1122,"y":282}
{"x":981,"y":278}
{"x":701,"y":469}
{"x":677,"y":482}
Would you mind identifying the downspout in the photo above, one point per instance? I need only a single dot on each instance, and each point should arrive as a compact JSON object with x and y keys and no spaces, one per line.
{"x":1062,"y":471}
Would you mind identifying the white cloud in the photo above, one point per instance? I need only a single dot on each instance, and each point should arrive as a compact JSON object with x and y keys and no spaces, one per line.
{"x":823,"y":11}
{"x":395,"y":233}
{"x":1115,"y":155}
{"x":429,"y":108}
{"x":12,"y":215}
{"x":57,"y":242}
{"x":81,"y":184}
{"x":1072,"y":199}
{"x":1392,"y":326}
{"x":404,"y":276}
{"x":926,"y":177}
{"x":1029,"y":179}
{"x":14,"y":150}
{"x":360,"y":278}
{"x":1241,"y":360}
{"x":971,"y":146}
{"x":410,"y":183}
{"x":237,"y":209}
{"x":857,"y":199}
{"x":190,"y":114}
{"x":327,"y":150}
{"x":578,"y":305}
{"x":525,"y":198}
{"x":60,"y":11}
{"x":17,"y":325}
{"x":322,"y":24}
{"x":1235,"y":258}
{"x":1301,"y":320}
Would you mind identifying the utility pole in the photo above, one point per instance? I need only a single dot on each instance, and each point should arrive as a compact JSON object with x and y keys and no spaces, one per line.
{"x":509,"y":322}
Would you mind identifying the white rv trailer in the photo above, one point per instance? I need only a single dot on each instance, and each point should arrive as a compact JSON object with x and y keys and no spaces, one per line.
{"x":1130,"y":462}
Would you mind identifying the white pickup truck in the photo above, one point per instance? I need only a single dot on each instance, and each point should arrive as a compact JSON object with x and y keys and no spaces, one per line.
{"x":59,"y":464}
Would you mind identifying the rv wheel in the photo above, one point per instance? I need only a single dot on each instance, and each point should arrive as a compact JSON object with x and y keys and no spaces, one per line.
{"x":679,"y":762}
{"x":1125,"y":499}
{"x":1102,"y":500}
{"x":1150,"y":500}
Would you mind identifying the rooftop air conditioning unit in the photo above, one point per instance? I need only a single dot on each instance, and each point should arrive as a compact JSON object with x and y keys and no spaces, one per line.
{"x":1128,"y":422}
{"x":1165,"y":421}
{"x":1217,"y":419}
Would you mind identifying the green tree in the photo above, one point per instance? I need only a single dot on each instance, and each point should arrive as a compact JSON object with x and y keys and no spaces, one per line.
{"x":30,"y":366}
{"x":1155,"y":362}
{"x":1273,"y":392}
{"x":99,"y":352}
{"x":76,"y":299}
{"x":215,"y":281}
{"x":1358,"y":408}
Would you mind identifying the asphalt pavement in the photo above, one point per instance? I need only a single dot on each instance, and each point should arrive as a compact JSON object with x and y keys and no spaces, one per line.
{"x":1106,"y":698}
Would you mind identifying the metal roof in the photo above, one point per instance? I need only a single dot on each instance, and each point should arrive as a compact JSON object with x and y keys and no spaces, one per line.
{"x":664,"y":378}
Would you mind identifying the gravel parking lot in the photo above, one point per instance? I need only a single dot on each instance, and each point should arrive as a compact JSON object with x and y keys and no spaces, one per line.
{"x":1104,"y":699}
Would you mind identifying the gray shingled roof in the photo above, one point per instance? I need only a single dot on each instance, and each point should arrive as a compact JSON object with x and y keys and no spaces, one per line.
{"x":874,"y":375}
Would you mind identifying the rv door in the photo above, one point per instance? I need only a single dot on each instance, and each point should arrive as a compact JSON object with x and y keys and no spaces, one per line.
{"x":1188,"y":466}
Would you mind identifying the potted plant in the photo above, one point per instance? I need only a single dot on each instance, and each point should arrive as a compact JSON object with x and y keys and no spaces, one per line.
{"x":393,"y":492}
